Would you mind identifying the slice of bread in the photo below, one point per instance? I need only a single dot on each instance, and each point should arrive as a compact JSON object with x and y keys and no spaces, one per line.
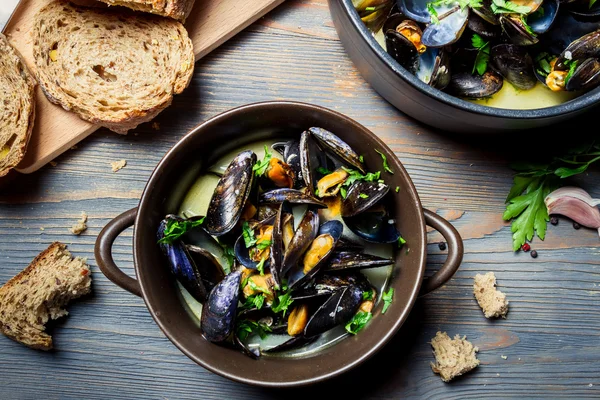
{"x":39,"y":293}
{"x":17,"y":106}
{"x":493,"y":302}
{"x":453,"y":357}
{"x":178,"y":9}
{"x":112,"y":66}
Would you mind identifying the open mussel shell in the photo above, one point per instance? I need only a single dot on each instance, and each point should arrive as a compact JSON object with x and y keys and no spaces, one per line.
{"x":402,"y":50}
{"x":276,"y":253}
{"x":565,"y":30}
{"x":465,"y":84}
{"x":210,"y":269}
{"x":374,"y":225}
{"x":349,"y":245}
{"x":361,"y":196}
{"x":485,"y":12}
{"x":483,"y":27}
{"x":586,"y":76}
{"x":242,"y":253}
{"x":290,"y":151}
{"x":202,"y":239}
{"x":337,"y":310}
{"x":218,"y":314}
{"x":292,"y":196}
{"x":514,"y":27}
{"x":317,"y":254}
{"x":304,"y":235}
{"x":415,"y":10}
{"x":337,"y":147}
{"x":292,"y":343}
{"x":583,"y":12}
{"x":452,"y":23}
{"x":434,"y":68}
{"x":230,"y":195}
{"x":311,"y":157}
{"x":347,"y":260}
{"x":587,"y":46}
{"x":328,"y":282}
{"x":541,"y":21}
{"x":185,"y":271}
{"x":515,"y":64}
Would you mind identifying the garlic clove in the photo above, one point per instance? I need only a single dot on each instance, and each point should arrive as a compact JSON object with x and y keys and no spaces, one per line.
{"x":575,"y":203}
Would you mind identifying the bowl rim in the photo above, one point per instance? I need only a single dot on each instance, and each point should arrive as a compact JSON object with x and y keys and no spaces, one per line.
{"x":572,"y":106}
{"x":395,"y":163}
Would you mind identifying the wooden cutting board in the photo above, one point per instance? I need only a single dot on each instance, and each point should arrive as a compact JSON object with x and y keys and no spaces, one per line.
{"x":210,"y":24}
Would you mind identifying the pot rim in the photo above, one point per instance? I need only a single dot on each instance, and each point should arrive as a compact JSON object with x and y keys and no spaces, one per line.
{"x":582,"y":102}
{"x":381,"y":341}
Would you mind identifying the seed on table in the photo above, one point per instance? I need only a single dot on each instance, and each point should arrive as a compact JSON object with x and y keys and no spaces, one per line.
{"x":554,"y":221}
{"x":534,"y":254}
{"x":442,"y":245}
{"x":576,"y":225}
{"x":526,"y":247}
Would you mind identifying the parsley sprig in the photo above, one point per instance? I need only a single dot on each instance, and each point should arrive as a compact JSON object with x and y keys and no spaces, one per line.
{"x":354,"y":175}
{"x":432,"y":6}
{"x":572,"y":64}
{"x":248,"y":234}
{"x":387,"y":298}
{"x":284,"y":301}
{"x":483,"y":54}
{"x":261,"y":166}
{"x":533,"y":182}
{"x":386,"y":167}
{"x":176,"y":228}
{"x":358,"y":322}
{"x":508,"y":7}
{"x":247,"y":327}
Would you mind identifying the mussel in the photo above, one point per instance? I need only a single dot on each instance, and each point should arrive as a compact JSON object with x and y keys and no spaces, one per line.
{"x":229,"y":198}
{"x":337,"y":147}
{"x":303,"y":236}
{"x":465,"y":84}
{"x":514,"y":64}
{"x":292,"y":196}
{"x":347,"y":260}
{"x":361,"y":196}
{"x":218,"y":313}
{"x":338,"y":309}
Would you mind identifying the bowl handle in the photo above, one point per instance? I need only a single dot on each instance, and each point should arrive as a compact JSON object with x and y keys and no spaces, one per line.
{"x":455,"y":252}
{"x":103,"y":252}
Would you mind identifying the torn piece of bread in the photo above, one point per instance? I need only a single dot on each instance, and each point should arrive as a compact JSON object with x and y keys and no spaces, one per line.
{"x":81,"y":225}
{"x":178,"y":9}
{"x":453,"y":357}
{"x":39,"y":293}
{"x":492,"y":301}
{"x":111,"y":66}
{"x":17,"y":110}
{"x":118,"y":165}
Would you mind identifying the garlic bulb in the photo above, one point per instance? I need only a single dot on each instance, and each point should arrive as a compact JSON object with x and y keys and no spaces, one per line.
{"x":575,"y":203}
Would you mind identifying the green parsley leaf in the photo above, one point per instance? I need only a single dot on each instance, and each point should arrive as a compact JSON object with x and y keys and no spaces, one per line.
{"x":508,"y":7}
{"x":565,"y":172}
{"x":363,"y":196}
{"x":263,"y":244}
{"x":397,"y":189}
{"x":229,"y":254}
{"x":261,"y":266}
{"x":324,"y":171}
{"x":248,"y":234}
{"x":527,"y":27}
{"x":358,"y":322}
{"x":317,"y":193}
{"x":361,"y":159}
{"x":354,"y":175}
{"x":401,"y":242}
{"x":433,"y":14}
{"x":343,"y":192}
{"x":368,"y":295}
{"x":477,"y":41}
{"x":257,"y":288}
{"x":385,"y":163}
{"x":260,"y":167}
{"x":572,"y":67}
{"x":175,"y":229}
{"x":246,"y":327}
{"x":592,"y":2}
{"x":284,"y":301}
{"x":387,"y":299}
{"x":254,"y":301}
{"x":483,"y":54}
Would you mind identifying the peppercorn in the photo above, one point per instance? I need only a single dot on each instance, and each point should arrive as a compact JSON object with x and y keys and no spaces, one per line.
{"x":554,"y":221}
{"x":526,"y":247}
{"x":576,"y":225}
{"x":534,"y":254}
{"x":442,"y":245}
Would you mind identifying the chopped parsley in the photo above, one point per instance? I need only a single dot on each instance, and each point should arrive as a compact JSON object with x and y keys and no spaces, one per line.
{"x":363,"y":196}
{"x":284,"y":301}
{"x":354,"y":175}
{"x":397,"y":189}
{"x":431,"y":6}
{"x":246,"y":327}
{"x":483,"y":54}
{"x":260,"y":166}
{"x":263,"y":244}
{"x":254,"y":301}
{"x":387,"y":299}
{"x":261,"y":266}
{"x":343,"y":192}
{"x":361,"y":158}
{"x":368,"y":295}
{"x":358,"y":322}
{"x":248,"y":234}
{"x":385,"y":163}
{"x":542,"y":63}
{"x":401,"y":242}
{"x":257,"y":288}
{"x":572,"y":67}
{"x":508,"y":7}
{"x":324,"y":171}
{"x":176,"y":228}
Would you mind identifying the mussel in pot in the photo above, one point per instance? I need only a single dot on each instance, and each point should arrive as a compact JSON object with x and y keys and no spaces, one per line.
{"x":514,"y":64}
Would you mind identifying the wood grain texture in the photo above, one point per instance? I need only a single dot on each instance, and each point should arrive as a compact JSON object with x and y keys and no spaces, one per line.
{"x":110,"y":347}
{"x":210,"y":24}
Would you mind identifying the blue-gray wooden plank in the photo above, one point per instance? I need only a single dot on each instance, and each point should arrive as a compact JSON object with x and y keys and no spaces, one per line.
{"x":109,"y":346}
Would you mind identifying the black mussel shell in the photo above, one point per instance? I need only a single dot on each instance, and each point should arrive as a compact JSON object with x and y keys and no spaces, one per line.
{"x":541,"y":20}
{"x":186,"y":271}
{"x":482,"y":27}
{"x":514,"y":27}
{"x":276,"y":253}
{"x":211,"y":270}
{"x":485,"y":12}
{"x":515,"y":64}
{"x":349,"y":245}
{"x":297,"y":276}
{"x":291,"y":156}
{"x":465,"y":84}
{"x":337,"y":147}
{"x":293,"y":342}
{"x":231,"y":193}
{"x":218,"y":314}
{"x":586,"y":76}
{"x":434,"y":68}
{"x":587,"y":46}
{"x":337,"y":310}
{"x":361,"y":196}
{"x":415,"y":10}
{"x":346,"y":260}
{"x":565,"y":30}
{"x":402,"y":50}
{"x":305,"y":233}
{"x":373,"y":225}
{"x":292,"y":196}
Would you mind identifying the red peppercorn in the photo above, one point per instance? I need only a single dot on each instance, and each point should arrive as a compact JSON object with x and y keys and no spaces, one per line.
{"x":526,"y":247}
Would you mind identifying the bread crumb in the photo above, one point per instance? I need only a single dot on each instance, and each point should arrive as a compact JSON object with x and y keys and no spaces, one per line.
{"x":81,"y":225}
{"x":118,"y":165}
{"x":156,"y":126}
{"x":493,"y":302}
{"x":53,"y":163}
{"x":453,"y":357}
{"x":504,"y":357}
{"x":41,"y":228}
{"x":591,"y":385}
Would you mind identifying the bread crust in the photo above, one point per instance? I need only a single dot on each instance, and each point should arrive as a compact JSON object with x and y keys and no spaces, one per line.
{"x":11,"y":62}
{"x":177,"y":9}
{"x":111,"y":66}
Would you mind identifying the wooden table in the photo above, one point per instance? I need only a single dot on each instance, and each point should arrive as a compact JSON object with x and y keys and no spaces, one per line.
{"x":109,"y":347}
